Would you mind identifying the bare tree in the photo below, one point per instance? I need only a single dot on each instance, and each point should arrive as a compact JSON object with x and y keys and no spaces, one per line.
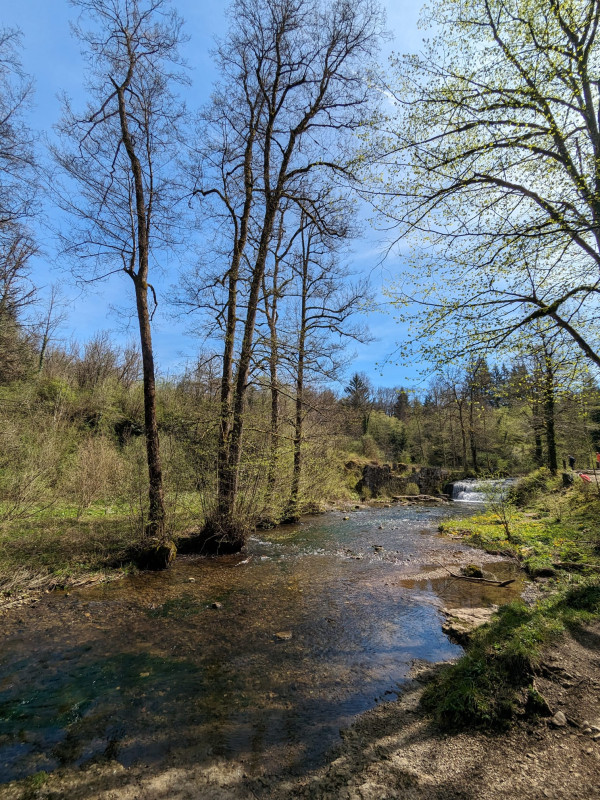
{"x":293,"y":87}
{"x":17,"y":196}
{"x":17,"y":294}
{"x":17,"y":174}
{"x":327,"y":302}
{"x":119,"y":158}
{"x":49,"y":322}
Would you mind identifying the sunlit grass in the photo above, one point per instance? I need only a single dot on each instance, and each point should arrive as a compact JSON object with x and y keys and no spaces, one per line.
{"x":495,"y":676}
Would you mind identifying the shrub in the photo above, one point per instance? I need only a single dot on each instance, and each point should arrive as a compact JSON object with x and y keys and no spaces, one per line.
{"x":96,"y":474}
{"x":370,"y":448}
{"x":531,"y":486}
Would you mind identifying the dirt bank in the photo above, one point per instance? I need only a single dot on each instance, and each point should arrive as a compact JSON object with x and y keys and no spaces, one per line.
{"x":394,"y":752}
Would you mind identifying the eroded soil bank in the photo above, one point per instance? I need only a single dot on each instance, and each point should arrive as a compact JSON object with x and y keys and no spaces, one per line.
{"x":232,"y":678}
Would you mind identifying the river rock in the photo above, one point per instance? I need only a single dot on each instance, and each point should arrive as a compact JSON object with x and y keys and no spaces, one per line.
{"x":461,"y":622}
{"x":559,"y":720}
{"x":472,"y":571}
{"x":283,"y":636}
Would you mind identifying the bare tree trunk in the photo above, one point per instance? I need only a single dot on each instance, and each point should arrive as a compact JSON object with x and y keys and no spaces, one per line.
{"x":538,"y":454}
{"x":156,"y":509}
{"x":452,"y":443}
{"x":243,"y":372}
{"x":271,"y":313}
{"x":293,"y":505}
{"x":294,"y":502}
{"x":486,"y":443}
{"x":463,"y":433}
{"x":274,"y":426}
{"x":549,"y":414}
{"x":472,"y":441}
{"x":226,"y":475}
{"x":442,"y":431}
{"x":226,"y":481}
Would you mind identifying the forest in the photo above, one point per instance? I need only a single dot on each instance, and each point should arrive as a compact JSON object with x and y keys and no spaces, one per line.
{"x":73,"y":434}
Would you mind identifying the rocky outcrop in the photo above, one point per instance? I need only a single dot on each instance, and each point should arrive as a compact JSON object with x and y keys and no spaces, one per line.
{"x":390,"y":480}
{"x":381,"y":479}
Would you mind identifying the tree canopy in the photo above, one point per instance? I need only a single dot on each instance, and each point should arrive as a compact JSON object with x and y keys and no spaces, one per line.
{"x":491,"y":160}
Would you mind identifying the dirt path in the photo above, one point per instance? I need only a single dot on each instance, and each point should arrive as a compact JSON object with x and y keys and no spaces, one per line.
{"x":393,"y":752}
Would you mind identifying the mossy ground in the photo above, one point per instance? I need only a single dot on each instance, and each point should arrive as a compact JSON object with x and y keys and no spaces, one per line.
{"x":558,"y":541}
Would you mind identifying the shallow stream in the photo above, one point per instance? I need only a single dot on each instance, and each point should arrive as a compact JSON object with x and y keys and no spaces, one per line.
{"x":259,"y":658}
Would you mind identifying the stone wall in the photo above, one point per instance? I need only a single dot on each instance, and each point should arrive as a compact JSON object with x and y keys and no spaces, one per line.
{"x":383,"y":479}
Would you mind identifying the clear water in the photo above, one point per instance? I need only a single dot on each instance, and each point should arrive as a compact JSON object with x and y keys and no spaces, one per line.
{"x":146,"y":670}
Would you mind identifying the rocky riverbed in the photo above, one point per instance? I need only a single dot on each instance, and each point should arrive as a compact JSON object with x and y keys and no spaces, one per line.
{"x":232,"y":678}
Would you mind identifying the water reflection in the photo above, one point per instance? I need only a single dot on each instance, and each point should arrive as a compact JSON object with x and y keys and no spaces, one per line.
{"x":260,"y":657}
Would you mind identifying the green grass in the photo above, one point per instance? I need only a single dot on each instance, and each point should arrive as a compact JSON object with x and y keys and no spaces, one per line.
{"x":563,"y":528}
{"x":493,"y":680}
{"x":53,"y":548}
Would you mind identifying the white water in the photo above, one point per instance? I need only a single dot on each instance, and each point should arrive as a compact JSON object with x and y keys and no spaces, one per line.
{"x":478,"y":491}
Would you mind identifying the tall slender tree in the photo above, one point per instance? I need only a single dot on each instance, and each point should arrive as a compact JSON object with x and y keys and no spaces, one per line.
{"x":118,"y":156}
{"x":17,"y":157}
{"x":293,"y":87}
{"x":17,"y":202}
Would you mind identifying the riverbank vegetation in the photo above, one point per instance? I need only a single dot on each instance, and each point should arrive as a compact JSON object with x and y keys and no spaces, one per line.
{"x":73,"y":487}
{"x":555,"y":538}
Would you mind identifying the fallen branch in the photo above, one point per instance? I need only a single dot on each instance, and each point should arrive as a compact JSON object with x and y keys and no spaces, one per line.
{"x":477,"y":580}
{"x":419,"y":498}
{"x":576,"y":565}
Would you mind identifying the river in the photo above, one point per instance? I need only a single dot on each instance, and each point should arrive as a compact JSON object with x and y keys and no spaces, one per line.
{"x":259,"y":657}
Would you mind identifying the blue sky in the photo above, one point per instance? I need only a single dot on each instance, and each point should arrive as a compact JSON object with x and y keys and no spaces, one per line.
{"x":52,"y":56}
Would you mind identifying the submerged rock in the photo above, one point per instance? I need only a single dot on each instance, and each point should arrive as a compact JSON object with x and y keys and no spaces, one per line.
{"x":472,"y":571}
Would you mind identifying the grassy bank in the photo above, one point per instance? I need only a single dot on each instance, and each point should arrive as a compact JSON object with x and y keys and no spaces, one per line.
{"x":557,"y":539}
{"x":61,"y":547}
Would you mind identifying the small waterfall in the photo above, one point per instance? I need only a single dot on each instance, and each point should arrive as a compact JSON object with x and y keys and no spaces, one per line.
{"x":476,"y":491}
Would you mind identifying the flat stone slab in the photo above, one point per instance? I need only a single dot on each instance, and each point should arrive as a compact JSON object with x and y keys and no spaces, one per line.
{"x":461,"y":622}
